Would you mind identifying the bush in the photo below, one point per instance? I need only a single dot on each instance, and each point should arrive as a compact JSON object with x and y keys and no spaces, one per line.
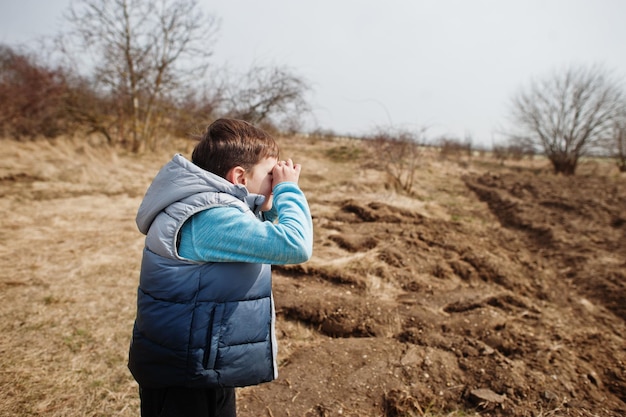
{"x":31,"y":97}
{"x":397,"y":152}
{"x":452,"y":147}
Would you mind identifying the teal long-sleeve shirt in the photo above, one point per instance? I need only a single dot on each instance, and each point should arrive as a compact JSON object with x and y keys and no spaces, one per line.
{"x":225,"y":234}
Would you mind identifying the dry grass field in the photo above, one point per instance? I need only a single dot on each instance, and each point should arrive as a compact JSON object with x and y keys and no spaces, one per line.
{"x":493,"y":289}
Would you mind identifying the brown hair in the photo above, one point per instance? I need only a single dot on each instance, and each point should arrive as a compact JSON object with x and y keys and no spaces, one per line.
{"x":228,"y":143}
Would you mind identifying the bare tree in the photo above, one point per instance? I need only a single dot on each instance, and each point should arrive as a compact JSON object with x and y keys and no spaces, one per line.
{"x":268,"y":95}
{"x":141,"y":52}
{"x":567,"y":115}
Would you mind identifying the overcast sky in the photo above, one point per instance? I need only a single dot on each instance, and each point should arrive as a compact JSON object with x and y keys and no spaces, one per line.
{"x":449,"y":65}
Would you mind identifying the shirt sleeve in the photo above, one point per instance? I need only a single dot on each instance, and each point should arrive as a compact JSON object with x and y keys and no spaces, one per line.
{"x":226,"y":234}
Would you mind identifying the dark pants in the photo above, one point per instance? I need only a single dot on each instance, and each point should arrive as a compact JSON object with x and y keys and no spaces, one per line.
{"x":187,"y":402}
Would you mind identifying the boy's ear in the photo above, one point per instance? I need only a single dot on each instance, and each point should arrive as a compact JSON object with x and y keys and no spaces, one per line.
{"x":237,"y":175}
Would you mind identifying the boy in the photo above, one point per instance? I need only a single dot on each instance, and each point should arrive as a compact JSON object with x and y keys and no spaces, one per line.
{"x":205,"y":310}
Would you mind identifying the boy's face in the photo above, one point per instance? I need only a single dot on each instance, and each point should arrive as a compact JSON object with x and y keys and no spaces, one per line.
{"x":259,"y":180}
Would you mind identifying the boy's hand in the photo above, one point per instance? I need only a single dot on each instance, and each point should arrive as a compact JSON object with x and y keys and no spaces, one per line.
{"x":285,"y":171}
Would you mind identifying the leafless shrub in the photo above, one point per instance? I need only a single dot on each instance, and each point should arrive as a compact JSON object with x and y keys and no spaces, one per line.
{"x":397,"y":152}
{"x":193,"y":111}
{"x":454,"y":148}
{"x":31,"y":96}
{"x":322,"y":134}
{"x":512,"y":151}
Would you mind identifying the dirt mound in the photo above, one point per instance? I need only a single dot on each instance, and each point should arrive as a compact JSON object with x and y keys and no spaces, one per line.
{"x":578,"y":224}
{"x":410,"y":313}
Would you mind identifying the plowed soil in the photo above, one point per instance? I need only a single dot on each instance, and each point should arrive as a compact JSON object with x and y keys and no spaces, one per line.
{"x":511,"y":303}
{"x":491,"y":289}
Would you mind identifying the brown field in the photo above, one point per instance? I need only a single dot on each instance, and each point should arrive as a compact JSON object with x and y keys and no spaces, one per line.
{"x":498,"y":290}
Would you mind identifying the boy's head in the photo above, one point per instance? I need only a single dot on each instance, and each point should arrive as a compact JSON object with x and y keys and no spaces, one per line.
{"x":228,"y":143}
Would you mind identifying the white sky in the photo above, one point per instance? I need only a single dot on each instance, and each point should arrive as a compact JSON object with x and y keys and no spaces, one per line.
{"x":449,"y":65}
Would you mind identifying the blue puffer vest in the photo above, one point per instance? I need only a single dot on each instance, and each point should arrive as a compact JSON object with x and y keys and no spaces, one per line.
{"x":200,"y":324}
